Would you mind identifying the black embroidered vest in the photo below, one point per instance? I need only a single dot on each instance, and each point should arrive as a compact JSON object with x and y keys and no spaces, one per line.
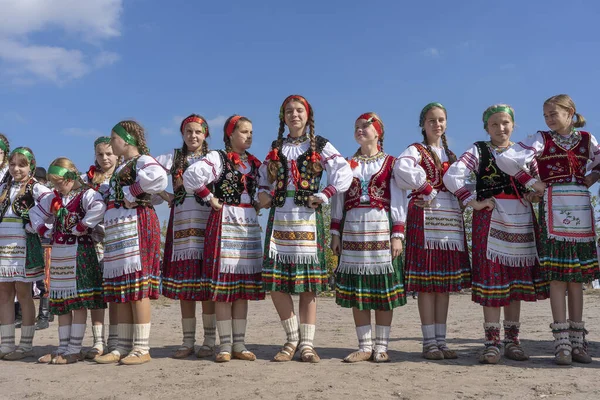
{"x":179,"y":191}
{"x":22,"y":204}
{"x":230,"y":185}
{"x":491,"y":180}
{"x":309,"y":182}
{"x":126,"y":177}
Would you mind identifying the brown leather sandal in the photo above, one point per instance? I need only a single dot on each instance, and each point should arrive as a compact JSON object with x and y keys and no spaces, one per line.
{"x":286,"y":353}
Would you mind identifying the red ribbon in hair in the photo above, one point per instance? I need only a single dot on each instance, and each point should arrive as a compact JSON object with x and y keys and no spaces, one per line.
{"x":231,"y":125}
{"x":295,"y":97}
{"x":91,"y":172}
{"x":234,"y":158}
{"x":273,"y":155}
{"x":193,"y":119}
{"x":373,"y":120}
{"x":315,"y":157}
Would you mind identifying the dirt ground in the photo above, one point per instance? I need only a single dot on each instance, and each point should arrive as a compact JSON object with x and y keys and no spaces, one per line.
{"x":407,"y":376}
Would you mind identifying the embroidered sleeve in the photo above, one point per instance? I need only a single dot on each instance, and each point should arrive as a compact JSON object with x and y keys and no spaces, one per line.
{"x":515,"y":160}
{"x":594,"y":163}
{"x":166,"y":160}
{"x":202,"y":173}
{"x":40,"y":214}
{"x":151,"y":179}
{"x":339,"y":173}
{"x":263,"y":179}
{"x":398,"y":208}
{"x":94,"y":208}
{"x":337,"y":211}
{"x":408,"y":173}
{"x":455,"y":179}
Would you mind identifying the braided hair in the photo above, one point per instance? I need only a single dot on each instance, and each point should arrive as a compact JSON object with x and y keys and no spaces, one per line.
{"x":380,"y":138}
{"x":451,"y":156}
{"x":180,"y":162}
{"x":137,"y":131}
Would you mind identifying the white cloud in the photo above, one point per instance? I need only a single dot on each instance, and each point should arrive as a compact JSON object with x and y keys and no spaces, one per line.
{"x":79,"y":132}
{"x":25,"y":62}
{"x":431,"y":52}
{"x":216,"y":123}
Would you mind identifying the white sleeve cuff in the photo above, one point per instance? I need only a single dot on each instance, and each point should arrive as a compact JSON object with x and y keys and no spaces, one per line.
{"x":322,"y":197}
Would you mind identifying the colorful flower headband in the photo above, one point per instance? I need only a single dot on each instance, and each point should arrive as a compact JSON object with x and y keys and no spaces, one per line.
{"x":194,"y":118}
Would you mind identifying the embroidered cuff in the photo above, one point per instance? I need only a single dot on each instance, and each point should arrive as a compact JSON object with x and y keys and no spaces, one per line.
{"x":469,"y":199}
{"x":81,"y":227}
{"x":202,"y":192}
{"x":329,"y":191}
{"x":334,"y":233}
{"x":42,"y":229}
{"x":425,"y":189}
{"x":323,"y":197}
{"x":335,"y":226}
{"x":431,"y":195}
{"x":523,"y":178}
{"x":530,"y":183}
{"x":398,"y":229}
{"x":136,"y":189}
{"x":462,"y":194}
{"x":397,"y":235}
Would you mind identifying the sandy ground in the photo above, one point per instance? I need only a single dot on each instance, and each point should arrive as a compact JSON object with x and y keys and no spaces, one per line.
{"x":407,"y":376}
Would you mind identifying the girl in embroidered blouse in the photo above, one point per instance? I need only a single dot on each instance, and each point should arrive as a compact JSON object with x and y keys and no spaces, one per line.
{"x":4,"y":152}
{"x":568,"y":255}
{"x":367,"y":227}
{"x":73,"y":210}
{"x":506,"y":270}
{"x":21,"y":254}
{"x":132,"y":243}
{"x":184,"y":244}
{"x":436,"y":261}
{"x":98,"y":177}
{"x":294,"y":255}
{"x":232,"y":247}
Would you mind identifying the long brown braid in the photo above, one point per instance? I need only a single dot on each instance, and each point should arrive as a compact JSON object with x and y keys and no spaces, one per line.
{"x":314,"y":166}
{"x":451,"y":156}
{"x":274,"y":165}
{"x":4,"y":139}
{"x":380,"y":139}
{"x":180,"y":162}
{"x":136,"y":130}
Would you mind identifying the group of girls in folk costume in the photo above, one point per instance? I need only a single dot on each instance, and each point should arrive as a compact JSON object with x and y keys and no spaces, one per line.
{"x":184,"y":245}
{"x":554,"y":164}
{"x":232,"y":247}
{"x":289,"y":184}
{"x":73,"y":209}
{"x":98,"y":177}
{"x":106,"y":240}
{"x":506,"y":270}
{"x":21,"y":255}
{"x":367,"y":227}
{"x":436,"y":260}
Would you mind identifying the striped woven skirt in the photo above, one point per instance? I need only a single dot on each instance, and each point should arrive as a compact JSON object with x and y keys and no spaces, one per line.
{"x":295,"y":277}
{"x":89,"y":284}
{"x":567,"y":261}
{"x":496,"y":285}
{"x":181,"y":279}
{"x":432,"y":270}
{"x":145,"y":282}
{"x":227,"y":286}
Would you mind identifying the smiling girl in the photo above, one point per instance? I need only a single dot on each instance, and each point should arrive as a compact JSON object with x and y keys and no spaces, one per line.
{"x":184,"y":244}
{"x":21,"y":255}
{"x":290,"y":185}
{"x":73,"y":210}
{"x":132,"y":243}
{"x":568,"y":255}
{"x":232,"y":248}
{"x":367,"y":227}
{"x":437,"y":261}
{"x":506,"y":270}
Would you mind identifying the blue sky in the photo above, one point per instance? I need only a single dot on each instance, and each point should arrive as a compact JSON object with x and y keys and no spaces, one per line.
{"x":70,"y":71}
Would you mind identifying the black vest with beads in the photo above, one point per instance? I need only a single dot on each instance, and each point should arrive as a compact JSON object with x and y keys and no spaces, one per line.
{"x":179,"y":191}
{"x":309,"y":182}
{"x":22,"y":204}
{"x":491,"y":180}
{"x":127,"y":177}
{"x":229,"y":186}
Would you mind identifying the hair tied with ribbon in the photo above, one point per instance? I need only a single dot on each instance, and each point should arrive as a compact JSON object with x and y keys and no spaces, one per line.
{"x":234,"y":158}
{"x":315,"y":157}
{"x":273,"y":155}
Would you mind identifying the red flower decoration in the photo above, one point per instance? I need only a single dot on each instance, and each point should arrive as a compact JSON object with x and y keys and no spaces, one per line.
{"x":234,"y":158}
{"x":353,"y":163}
{"x":273,"y":155}
{"x":445,"y":166}
{"x":91,"y":172}
{"x":56,"y":203}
